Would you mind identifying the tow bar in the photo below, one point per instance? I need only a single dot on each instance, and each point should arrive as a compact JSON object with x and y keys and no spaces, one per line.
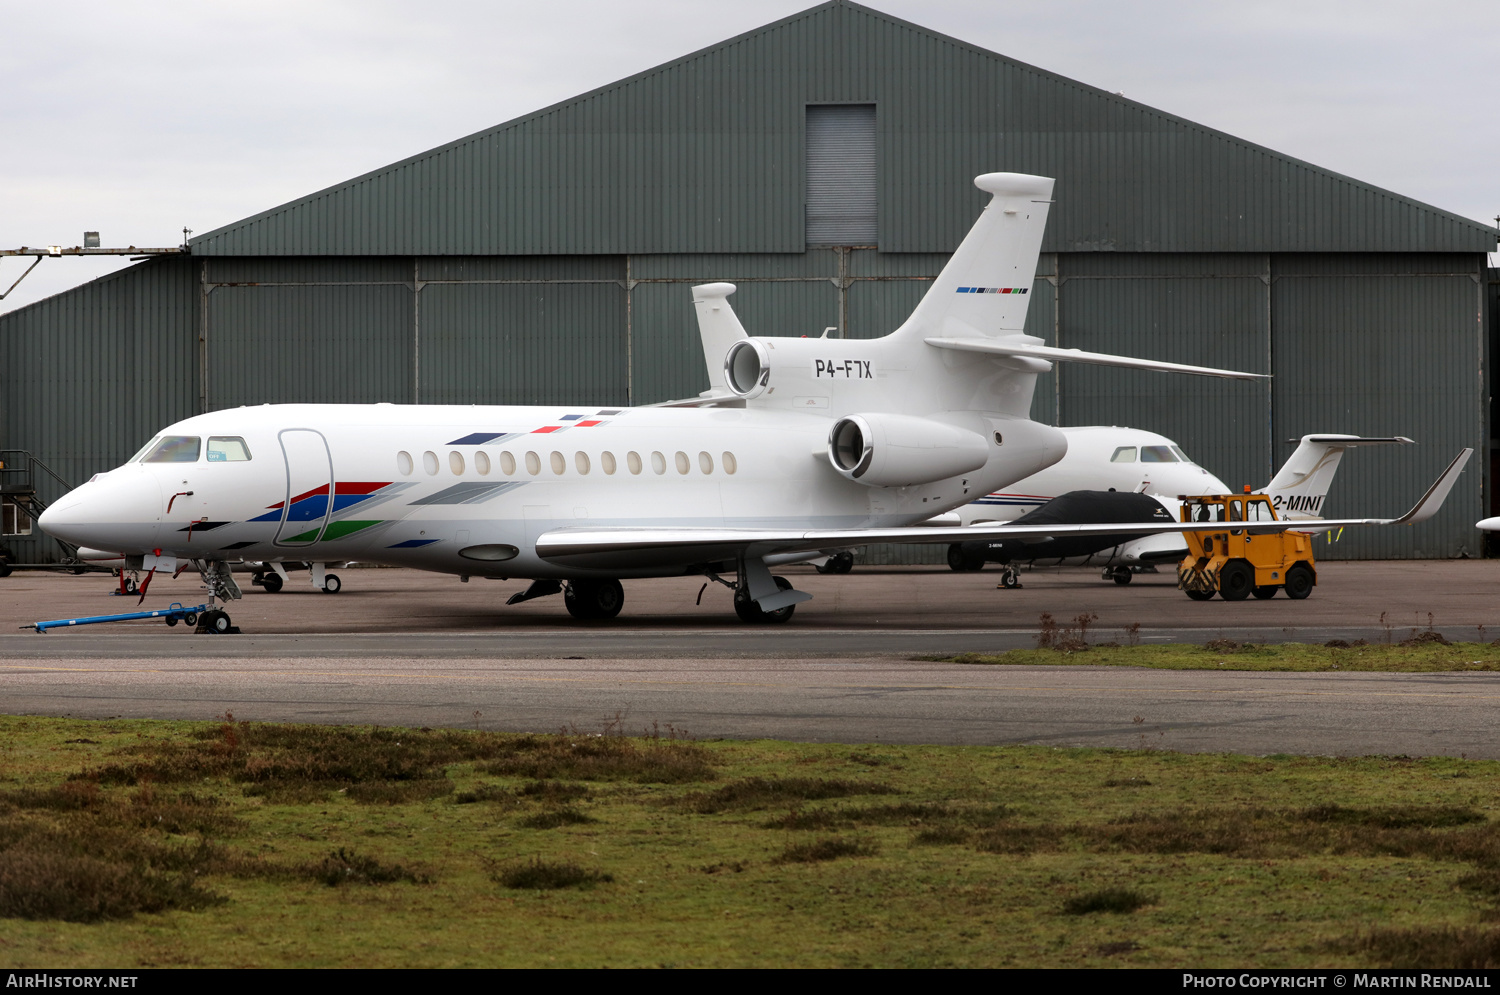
{"x":173,"y":614}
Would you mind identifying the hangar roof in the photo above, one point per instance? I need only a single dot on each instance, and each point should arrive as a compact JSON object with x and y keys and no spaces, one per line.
{"x":705,"y":154}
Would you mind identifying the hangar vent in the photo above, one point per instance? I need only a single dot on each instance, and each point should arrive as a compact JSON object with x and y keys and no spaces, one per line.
{"x":841,"y":174}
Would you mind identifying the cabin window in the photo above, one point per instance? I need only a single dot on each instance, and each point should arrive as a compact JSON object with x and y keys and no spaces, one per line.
{"x":607,"y":460}
{"x":683,"y":463}
{"x":533,"y":464}
{"x":705,"y":463}
{"x":1157,"y":454}
{"x":507,"y":464}
{"x":175,"y":449}
{"x":581,"y":460}
{"x":633,"y":460}
{"x":559,"y":463}
{"x":456,"y":463}
{"x":729,"y":463}
{"x":482,"y":463}
{"x":430,"y":463}
{"x":404,"y":464}
{"x":1125,"y":454}
{"x":227,"y":449}
{"x":658,"y":463}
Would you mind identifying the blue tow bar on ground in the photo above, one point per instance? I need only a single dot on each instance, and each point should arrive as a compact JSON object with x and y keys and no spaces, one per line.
{"x":173,"y":614}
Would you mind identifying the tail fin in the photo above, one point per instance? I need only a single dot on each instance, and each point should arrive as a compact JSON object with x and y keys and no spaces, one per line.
{"x":984,"y":289}
{"x":1299,"y":487}
{"x":718,"y":328}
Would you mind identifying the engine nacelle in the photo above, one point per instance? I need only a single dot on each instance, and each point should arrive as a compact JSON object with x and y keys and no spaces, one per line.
{"x":747,"y":368}
{"x":884,"y":450}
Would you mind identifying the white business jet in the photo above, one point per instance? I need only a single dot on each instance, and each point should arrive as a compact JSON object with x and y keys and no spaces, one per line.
{"x":807,"y":445}
{"x":1105,"y":467}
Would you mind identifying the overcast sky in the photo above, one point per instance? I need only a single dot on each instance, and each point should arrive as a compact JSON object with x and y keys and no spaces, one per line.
{"x":139,"y":119}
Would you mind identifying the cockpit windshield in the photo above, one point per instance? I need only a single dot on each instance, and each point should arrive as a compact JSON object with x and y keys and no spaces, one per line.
{"x":227,"y":449}
{"x":174,"y":449}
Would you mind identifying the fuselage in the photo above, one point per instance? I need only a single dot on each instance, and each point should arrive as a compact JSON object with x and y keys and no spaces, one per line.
{"x":1102,"y":458}
{"x":468,"y":489}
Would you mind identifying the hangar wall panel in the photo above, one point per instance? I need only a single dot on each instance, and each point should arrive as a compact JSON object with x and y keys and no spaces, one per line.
{"x":1386,"y":355}
{"x":330,"y":344}
{"x":1220,"y":322}
{"x":90,"y":375}
{"x":523,"y":344}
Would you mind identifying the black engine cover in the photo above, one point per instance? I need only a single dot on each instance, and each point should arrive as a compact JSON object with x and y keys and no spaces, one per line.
{"x":1074,"y":508}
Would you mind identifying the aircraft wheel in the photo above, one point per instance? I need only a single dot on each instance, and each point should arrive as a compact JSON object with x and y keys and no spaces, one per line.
{"x":331,"y":583}
{"x":1265,"y":591}
{"x":594,"y":599}
{"x":130,"y":585}
{"x":271,"y":582}
{"x":749,"y":611}
{"x":1236,"y":581}
{"x":1010,"y":578}
{"x":963,"y":561}
{"x":1199,"y":595}
{"x":1299,"y":582}
{"x":838,"y":563}
{"x":214,"y":622}
{"x":4,"y":567}
{"x":1121,"y":575}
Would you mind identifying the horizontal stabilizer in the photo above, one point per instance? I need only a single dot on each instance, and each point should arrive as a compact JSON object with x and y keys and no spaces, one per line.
{"x":1013,"y":348}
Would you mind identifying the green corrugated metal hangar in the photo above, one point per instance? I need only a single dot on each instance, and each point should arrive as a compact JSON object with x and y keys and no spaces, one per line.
{"x":823,"y":164}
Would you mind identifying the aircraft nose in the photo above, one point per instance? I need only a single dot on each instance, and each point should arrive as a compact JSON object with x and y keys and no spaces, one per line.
{"x":118,"y":511}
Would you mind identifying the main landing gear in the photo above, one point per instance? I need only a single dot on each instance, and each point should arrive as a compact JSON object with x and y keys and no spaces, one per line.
{"x":594,"y":599}
{"x":749,"y":611}
{"x":838,"y":563}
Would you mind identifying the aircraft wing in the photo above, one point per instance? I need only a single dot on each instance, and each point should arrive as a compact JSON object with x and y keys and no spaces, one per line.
{"x":624,"y":548}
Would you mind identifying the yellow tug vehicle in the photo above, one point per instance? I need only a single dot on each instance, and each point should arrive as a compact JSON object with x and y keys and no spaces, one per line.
{"x":1235,"y":564}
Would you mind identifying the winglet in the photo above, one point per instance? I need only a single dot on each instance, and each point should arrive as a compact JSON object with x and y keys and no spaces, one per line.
{"x":1436,"y":494}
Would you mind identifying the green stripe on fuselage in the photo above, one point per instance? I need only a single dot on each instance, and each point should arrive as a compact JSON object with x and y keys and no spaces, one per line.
{"x":337,"y":530}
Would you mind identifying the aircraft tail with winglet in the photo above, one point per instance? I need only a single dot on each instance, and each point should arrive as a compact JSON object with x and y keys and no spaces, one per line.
{"x":1299,"y":487}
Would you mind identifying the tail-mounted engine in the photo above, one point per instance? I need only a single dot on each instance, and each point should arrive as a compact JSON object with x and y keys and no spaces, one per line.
{"x":884,"y":450}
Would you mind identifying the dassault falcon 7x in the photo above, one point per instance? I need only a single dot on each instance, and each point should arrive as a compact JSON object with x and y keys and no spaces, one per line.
{"x":807,"y":446}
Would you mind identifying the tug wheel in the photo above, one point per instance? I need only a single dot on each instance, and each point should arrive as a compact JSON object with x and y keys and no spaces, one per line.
{"x":1299,"y":582}
{"x":1236,"y":581}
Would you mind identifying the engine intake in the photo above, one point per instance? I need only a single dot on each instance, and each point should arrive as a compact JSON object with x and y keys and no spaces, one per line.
{"x":883,"y":450}
{"x":747,"y":368}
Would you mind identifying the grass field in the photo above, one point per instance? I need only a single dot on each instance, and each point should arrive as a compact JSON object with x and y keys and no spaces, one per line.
{"x":1405,"y":651}
{"x":136,"y":843}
